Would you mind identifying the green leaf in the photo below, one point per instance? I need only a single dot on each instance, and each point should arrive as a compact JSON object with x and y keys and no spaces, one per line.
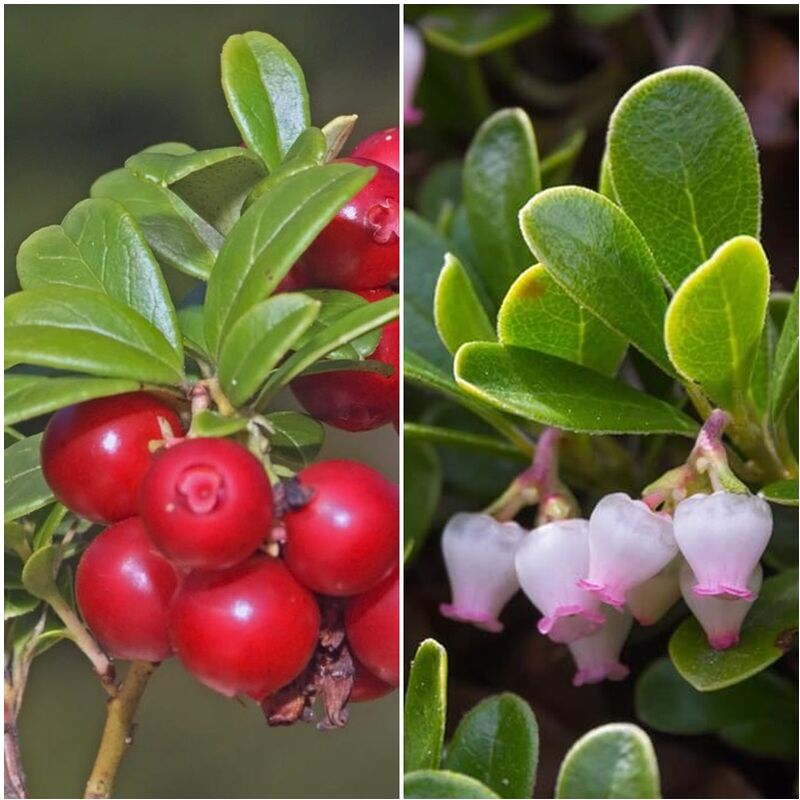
{"x":99,"y":246}
{"x":24,"y":486}
{"x":296,"y":439}
{"x":594,"y":252}
{"x":439,"y":195}
{"x":497,"y":743}
{"x":180,"y":238}
{"x":684,"y":167}
{"x":211,"y":424}
{"x":45,"y":640}
{"x":614,"y":760}
{"x":714,"y":322}
{"x":764,"y":738}
{"x":423,"y":484}
{"x":470,"y":31}
{"x":17,"y":602}
{"x":29,"y":396}
{"x":501,"y":174}
{"x":555,"y":392}
{"x":266,"y":94}
{"x":192,"y":322}
{"x":426,"y":784}
{"x":760,"y":388}
{"x":16,"y":540}
{"x":346,"y":329}
{"x":335,"y":304}
{"x":538,"y":315}
{"x":86,"y":331}
{"x":666,"y":702}
{"x":348,"y":365}
{"x":457,"y":310}
{"x":270,"y":237}
{"x":784,"y":493}
{"x":258,"y":341}
{"x":558,"y":165}
{"x":214,"y":183}
{"x":424,"y":249}
{"x":425,"y":707}
{"x":766,"y":635}
{"x":785,"y":371}
{"x":459,"y":439}
{"x":39,"y":574}
{"x":599,"y":15}
{"x":309,"y":146}
{"x":336,"y":133}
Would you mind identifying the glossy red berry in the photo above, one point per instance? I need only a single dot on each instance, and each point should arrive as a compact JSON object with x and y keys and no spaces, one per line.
{"x":345,"y":539}
{"x":383,"y":147}
{"x":372,"y":624}
{"x":354,"y":400}
{"x":125,"y":588}
{"x":95,"y":454}
{"x":294,"y":281}
{"x":250,"y":629}
{"x":360,"y":247}
{"x":367,"y":686}
{"x":206,"y":503}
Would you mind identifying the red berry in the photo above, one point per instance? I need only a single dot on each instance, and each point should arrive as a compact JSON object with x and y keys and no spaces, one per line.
{"x":345,"y":539}
{"x":372,"y":624}
{"x":383,"y":146}
{"x":360,"y":247}
{"x":294,"y":281}
{"x":251,"y":628}
{"x":95,"y":454}
{"x":206,"y":503}
{"x":367,"y":686}
{"x":124,"y":588}
{"x":354,"y":400}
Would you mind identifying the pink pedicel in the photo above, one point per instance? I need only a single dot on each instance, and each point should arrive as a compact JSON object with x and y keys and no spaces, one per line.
{"x":550,"y":562}
{"x":720,"y":617}
{"x":628,"y":544}
{"x":413,"y":63}
{"x":479,"y":556}
{"x":649,"y":601}
{"x":723,"y":536}
{"x":597,"y":657}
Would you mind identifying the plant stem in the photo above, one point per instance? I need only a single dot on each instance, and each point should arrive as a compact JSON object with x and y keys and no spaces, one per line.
{"x":118,"y":731}
{"x":14,"y":774}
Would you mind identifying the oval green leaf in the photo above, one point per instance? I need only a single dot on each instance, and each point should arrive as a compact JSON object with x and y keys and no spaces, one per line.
{"x":336,"y":133}
{"x":39,"y":573}
{"x":714,"y":322}
{"x":501,"y":174}
{"x":296,"y":439}
{"x":784,"y":383}
{"x":180,"y":238}
{"x":25,"y":489}
{"x":426,"y":784}
{"x":457,"y":310}
{"x":425,"y":707}
{"x":556,"y":392}
{"x":599,"y":258}
{"x":684,"y":166}
{"x":611,"y":761}
{"x":86,"y":331}
{"x":784,"y":493}
{"x":423,"y":484}
{"x":30,"y":396}
{"x":258,"y":341}
{"x":99,"y":246}
{"x":211,"y":424}
{"x":266,"y":94}
{"x":497,"y":743}
{"x":270,"y":237}
{"x":766,"y":634}
{"x":538,"y":314}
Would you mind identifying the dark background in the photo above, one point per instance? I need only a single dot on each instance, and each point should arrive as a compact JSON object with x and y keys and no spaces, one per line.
{"x":87,"y":86}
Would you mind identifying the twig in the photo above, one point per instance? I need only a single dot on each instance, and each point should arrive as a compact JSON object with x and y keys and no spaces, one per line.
{"x":118,"y":731}
{"x":14,"y":774}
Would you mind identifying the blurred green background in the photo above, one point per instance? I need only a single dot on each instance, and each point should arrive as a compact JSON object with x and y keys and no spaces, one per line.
{"x":87,"y":86}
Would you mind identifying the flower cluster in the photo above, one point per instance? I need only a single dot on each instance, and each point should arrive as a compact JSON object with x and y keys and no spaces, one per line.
{"x":590,"y":579}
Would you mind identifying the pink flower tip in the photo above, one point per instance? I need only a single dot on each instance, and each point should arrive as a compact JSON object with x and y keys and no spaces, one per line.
{"x":609,"y":670}
{"x":481,"y":620}
{"x":725,"y":591}
{"x":724,"y":641}
{"x":602,"y":590}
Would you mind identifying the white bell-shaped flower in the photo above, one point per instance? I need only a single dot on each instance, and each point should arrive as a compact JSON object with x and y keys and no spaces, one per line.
{"x":628,"y":543}
{"x":722,"y":536}
{"x":550,"y":561}
{"x":649,"y":601}
{"x":720,"y":617}
{"x":597,"y":657}
{"x":479,"y":557}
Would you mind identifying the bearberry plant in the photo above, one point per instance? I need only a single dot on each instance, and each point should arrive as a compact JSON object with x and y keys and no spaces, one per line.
{"x":628,"y":342}
{"x":189,"y":510}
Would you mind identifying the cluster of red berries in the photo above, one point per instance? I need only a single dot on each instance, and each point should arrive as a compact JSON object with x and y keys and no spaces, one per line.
{"x":182,"y":568}
{"x":359,"y":251}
